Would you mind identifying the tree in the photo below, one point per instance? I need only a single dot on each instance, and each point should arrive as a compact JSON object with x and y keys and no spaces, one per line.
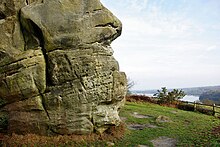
{"x":130,"y":84}
{"x":167,"y":97}
{"x":211,"y":95}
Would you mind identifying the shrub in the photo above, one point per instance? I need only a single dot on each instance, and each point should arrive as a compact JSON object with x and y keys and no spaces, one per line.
{"x":140,"y":98}
{"x":186,"y":107}
{"x":166,"y":97}
{"x":205,"y":111}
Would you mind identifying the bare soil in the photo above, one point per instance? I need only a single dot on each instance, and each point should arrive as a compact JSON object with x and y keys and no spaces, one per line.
{"x":164,"y":142}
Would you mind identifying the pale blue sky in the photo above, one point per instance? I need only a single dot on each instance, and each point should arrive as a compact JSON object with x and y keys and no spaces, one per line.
{"x":172,"y":43}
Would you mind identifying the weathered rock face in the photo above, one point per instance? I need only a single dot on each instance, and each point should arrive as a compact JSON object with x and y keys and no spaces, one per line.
{"x":57,"y":72}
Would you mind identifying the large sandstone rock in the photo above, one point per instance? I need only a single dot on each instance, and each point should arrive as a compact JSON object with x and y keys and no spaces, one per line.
{"x":57,"y":72}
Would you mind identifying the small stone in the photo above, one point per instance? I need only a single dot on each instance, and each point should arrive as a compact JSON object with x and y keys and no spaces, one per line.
{"x":151,"y":126}
{"x":141,"y":126}
{"x":136,"y":115}
{"x":109,"y":144}
{"x":162,"y":118}
{"x":174,"y":112}
{"x":142,"y":146}
{"x":136,"y":127}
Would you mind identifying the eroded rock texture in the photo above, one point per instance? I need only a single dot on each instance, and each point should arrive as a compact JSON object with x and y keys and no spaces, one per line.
{"x":57,"y":72}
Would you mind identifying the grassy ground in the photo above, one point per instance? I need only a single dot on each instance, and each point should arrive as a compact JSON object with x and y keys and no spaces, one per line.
{"x":188,"y":128}
{"x":217,"y":109}
{"x":206,"y":109}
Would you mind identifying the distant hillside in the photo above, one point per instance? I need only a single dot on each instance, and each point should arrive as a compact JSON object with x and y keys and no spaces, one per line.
{"x":211,"y":95}
{"x":196,"y":91}
{"x":200,"y":90}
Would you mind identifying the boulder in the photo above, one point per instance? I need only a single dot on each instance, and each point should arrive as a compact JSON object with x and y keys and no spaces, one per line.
{"x":57,"y":70}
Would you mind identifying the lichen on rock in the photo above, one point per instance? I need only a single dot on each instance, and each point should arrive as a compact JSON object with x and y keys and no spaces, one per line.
{"x":57,"y":70}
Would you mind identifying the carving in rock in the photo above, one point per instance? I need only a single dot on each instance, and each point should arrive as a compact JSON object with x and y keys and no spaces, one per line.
{"x":57,"y":70}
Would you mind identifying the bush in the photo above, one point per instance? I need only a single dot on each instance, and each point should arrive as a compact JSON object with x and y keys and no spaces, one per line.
{"x":140,"y":98}
{"x":186,"y":107}
{"x":166,"y":97}
{"x":190,"y":107}
{"x":205,"y":111}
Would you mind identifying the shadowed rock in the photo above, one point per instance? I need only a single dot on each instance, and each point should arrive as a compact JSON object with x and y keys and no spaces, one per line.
{"x":57,"y":72}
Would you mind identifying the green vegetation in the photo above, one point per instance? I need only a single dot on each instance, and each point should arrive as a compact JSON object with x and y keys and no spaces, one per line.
{"x":196,"y":91}
{"x":168,"y":97}
{"x":188,"y":128}
{"x":210,"y":96}
{"x":2,"y":102}
{"x":3,"y":121}
{"x":200,"y":90}
{"x":208,"y":109}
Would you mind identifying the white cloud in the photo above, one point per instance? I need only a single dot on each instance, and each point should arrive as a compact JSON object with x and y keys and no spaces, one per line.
{"x":168,"y":26}
{"x":157,"y":45}
{"x":138,"y":5}
{"x":210,"y":48}
{"x":216,"y":26}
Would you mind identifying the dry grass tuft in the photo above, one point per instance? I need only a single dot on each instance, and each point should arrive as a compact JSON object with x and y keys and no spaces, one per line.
{"x":140,"y":98}
{"x":216,"y":131}
{"x":113,"y":134}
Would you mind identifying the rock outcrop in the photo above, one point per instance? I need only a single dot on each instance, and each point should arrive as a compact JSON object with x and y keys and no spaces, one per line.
{"x":57,"y":70}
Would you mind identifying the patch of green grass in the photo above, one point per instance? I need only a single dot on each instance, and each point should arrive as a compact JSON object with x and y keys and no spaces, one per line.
{"x":189,"y":128}
{"x":217,"y":109}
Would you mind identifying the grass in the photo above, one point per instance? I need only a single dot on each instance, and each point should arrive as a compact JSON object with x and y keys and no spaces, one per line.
{"x":217,"y":109}
{"x":189,"y":128}
{"x":207,"y":109}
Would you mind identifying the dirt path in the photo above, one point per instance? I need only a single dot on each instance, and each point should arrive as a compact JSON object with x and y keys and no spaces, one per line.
{"x":164,"y":142}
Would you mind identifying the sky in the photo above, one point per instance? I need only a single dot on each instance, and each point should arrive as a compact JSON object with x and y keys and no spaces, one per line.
{"x":168,"y":43}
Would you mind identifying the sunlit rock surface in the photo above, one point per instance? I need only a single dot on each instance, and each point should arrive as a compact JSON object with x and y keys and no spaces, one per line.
{"x":57,"y":70}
